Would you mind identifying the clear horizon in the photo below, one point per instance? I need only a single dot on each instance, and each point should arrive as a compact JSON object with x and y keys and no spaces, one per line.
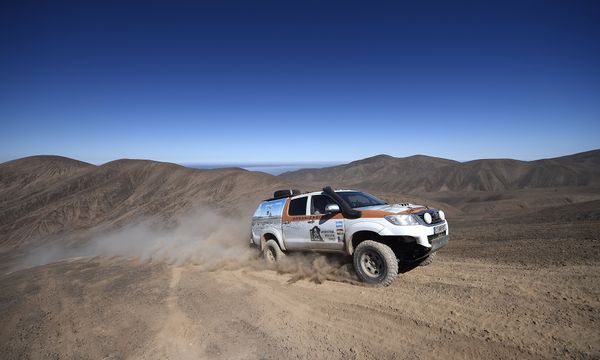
{"x":294,"y":164}
{"x":307,"y":82}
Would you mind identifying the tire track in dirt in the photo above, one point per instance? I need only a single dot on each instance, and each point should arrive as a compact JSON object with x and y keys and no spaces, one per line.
{"x":406,"y":329}
{"x":179,"y":337}
{"x":473,"y":309}
{"x":450,"y":309}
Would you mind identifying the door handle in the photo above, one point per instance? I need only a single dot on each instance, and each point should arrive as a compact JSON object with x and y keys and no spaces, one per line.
{"x":311,"y":221}
{"x":286,"y":222}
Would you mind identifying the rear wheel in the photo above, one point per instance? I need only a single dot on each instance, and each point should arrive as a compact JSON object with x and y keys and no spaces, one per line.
{"x":375,"y":263}
{"x":271,"y":252}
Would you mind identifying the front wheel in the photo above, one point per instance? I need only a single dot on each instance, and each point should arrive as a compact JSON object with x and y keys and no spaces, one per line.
{"x":271,"y":252}
{"x":375,"y":263}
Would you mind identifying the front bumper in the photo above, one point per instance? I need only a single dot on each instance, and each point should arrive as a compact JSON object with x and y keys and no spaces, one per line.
{"x":420,"y":252}
{"x":439,"y":242}
{"x":420,"y":233}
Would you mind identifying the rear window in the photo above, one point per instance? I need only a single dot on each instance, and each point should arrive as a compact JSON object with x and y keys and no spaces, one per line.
{"x":298,"y":206}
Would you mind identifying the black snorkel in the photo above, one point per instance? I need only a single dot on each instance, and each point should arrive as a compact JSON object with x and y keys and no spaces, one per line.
{"x":347,"y":211}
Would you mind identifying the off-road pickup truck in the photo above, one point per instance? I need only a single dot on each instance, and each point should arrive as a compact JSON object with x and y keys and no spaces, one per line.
{"x":377,"y":235}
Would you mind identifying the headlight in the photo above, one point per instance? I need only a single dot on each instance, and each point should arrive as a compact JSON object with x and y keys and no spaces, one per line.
{"x":442,"y":215}
{"x":427,"y":218}
{"x":402,"y":220}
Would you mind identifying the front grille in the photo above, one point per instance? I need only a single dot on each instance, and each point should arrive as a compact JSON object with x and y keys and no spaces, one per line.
{"x":435,"y":216}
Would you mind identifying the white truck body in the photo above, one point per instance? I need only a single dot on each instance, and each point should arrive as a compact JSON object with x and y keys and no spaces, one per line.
{"x":305,"y":228}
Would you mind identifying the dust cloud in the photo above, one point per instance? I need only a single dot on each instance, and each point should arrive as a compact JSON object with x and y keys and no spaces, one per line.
{"x":318,"y":268}
{"x":202,"y":238}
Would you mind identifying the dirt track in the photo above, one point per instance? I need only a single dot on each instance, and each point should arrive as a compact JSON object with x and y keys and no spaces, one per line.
{"x":459,"y":307}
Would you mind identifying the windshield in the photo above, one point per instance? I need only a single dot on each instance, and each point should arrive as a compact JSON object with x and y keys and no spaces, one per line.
{"x":358,"y":199}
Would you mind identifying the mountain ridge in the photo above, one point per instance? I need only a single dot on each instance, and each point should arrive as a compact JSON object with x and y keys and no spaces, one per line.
{"x":42,"y":197}
{"x":422,"y":174}
{"x":46,"y":196}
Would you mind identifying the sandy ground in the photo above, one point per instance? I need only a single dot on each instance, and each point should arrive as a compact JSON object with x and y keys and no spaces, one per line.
{"x":480,"y":299}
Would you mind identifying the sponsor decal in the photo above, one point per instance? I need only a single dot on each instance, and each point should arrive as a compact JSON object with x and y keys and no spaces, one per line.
{"x":318,"y":234}
{"x":340,"y":235}
{"x":328,"y":235}
{"x":339,"y":231}
{"x":315,"y":234}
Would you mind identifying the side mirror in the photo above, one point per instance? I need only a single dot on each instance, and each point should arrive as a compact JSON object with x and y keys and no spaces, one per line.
{"x":332,"y":209}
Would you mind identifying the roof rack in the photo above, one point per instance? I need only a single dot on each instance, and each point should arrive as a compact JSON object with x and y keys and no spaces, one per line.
{"x":279,"y":194}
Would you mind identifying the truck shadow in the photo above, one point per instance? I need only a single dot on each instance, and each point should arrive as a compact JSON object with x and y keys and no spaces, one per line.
{"x":404,"y":267}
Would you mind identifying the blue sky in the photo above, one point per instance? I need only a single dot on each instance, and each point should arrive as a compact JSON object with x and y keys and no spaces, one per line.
{"x":227,"y":82}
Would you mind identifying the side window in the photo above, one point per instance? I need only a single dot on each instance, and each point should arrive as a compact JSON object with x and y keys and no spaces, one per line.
{"x":318,"y":204}
{"x":298,"y":206}
{"x":272,"y":208}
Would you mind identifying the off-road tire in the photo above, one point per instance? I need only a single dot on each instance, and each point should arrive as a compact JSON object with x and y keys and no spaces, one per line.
{"x":428,"y":260}
{"x":271,"y":252}
{"x":375,"y":263}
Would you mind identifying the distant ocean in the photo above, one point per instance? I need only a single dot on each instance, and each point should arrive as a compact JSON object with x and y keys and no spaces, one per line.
{"x":273,"y":169}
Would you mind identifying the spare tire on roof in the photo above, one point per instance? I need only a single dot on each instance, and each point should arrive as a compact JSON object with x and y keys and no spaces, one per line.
{"x":287,"y":192}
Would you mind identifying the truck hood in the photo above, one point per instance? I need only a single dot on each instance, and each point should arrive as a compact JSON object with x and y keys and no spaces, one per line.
{"x":392,"y":208}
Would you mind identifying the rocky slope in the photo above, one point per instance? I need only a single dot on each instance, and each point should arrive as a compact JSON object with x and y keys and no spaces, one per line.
{"x":45,"y":196}
{"x":423,"y":174}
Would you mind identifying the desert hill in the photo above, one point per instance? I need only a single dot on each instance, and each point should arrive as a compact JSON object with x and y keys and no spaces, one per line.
{"x":44,"y":196}
{"x":423,"y":174}
{"x":47,"y":195}
{"x":519,"y":278}
{"x":33,"y":173}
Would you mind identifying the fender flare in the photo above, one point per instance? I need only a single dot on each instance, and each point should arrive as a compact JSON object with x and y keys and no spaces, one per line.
{"x":360,"y":226}
{"x":278,"y":237}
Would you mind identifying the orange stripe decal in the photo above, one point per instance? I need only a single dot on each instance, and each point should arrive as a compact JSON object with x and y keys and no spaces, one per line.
{"x":368,"y":214}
